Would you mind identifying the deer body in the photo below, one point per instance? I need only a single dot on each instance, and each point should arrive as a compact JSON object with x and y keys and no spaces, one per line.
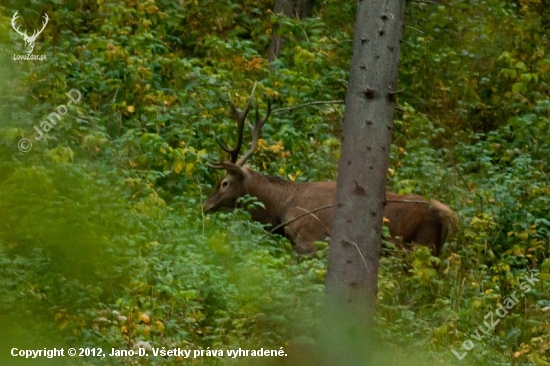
{"x":304,"y":210}
{"x":411,"y":218}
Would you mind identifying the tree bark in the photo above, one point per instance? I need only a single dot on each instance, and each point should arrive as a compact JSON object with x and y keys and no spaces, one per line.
{"x":290,"y":8}
{"x":352,"y":283}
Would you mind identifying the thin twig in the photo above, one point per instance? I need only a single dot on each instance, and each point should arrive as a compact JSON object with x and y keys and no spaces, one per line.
{"x":416,"y":29}
{"x":305,"y":34}
{"x":396,"y":250}
{"x":296,"y":218}
{"x":546,"y":176}
{"x":114,"y":97}
{"x":202,"y":209}
{"x":190,"y":310}
{"x":316,"y":218}
{"x":361,"y":254}
{"x":339,"y":101}
{"x":425,"y":1}
{"x":409,"y":201}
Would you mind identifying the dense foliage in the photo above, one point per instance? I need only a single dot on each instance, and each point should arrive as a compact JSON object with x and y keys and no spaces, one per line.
{"x":102,"y":238}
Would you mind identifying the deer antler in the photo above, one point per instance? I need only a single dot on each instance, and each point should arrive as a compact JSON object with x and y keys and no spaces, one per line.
{"x":37,"y":33}
{"x":240,"y":116}
{"x":255,"y":133}
{"x":14,"y":25}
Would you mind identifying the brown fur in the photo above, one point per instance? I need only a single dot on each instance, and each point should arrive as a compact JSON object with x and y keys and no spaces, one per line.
{"x":412,"y":219}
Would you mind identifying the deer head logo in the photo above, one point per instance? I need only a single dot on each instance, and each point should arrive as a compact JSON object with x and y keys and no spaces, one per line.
{"x":29,"y":40}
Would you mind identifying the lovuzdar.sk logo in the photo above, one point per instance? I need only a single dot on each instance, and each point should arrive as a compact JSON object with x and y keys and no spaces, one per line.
{"x":29,"y":40}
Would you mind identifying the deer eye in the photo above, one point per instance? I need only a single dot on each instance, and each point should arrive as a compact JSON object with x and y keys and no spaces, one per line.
{"x":224,"y":183}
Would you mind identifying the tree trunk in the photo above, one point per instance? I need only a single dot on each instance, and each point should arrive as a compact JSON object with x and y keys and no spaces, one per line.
{"x":290,"y":8}
{"x":352,"y":283}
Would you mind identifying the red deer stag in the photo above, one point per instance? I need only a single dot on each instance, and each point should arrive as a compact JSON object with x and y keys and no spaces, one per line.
{"x":304,"y":210}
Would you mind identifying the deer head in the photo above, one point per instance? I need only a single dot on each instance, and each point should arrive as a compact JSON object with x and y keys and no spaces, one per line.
{"x":232,"y":185}
{"x":29,"y":40}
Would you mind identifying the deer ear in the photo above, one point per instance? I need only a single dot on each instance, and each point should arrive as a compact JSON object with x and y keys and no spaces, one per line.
{"x":231,"y":168}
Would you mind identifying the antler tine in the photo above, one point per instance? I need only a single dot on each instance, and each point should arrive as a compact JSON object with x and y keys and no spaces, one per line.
{"x":46,"y":18}
{"x":37,"y":32}
{"x":224,"y":147}
{"x":255,"y":134}
{"x":240,"y":116}
{"x":214,"y":164}
{"x":14,"y":25}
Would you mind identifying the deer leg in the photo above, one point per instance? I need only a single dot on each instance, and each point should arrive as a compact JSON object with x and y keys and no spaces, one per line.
{"x":430,"y":236}
{"x":301,"y":239}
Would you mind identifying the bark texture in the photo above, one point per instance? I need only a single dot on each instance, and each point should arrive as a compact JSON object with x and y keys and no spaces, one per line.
{"x":351,"y":286}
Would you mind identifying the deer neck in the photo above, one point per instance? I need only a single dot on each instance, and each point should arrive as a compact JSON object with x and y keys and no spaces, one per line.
{"x":272,"y":192}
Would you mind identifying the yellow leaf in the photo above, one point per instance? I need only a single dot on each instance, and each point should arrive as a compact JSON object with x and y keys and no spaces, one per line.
{"x":151,"y":9}
{"x":160,"y":326}
{"x":130,"y":109}
{"x":178,"y":166}
{"x":145,"y":318}
{"x":201,"y":152}
{"x":189,"y":169}
{"x":277,"y":147}
{"x":523,"y":236}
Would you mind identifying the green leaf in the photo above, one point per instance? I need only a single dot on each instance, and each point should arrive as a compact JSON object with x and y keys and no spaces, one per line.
{"x":519,"y":88}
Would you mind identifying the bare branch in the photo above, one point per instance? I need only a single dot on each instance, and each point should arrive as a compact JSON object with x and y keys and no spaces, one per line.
{"x":296,"y":218}
{"x":409,"y":201}
{"x":279,"y":110}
